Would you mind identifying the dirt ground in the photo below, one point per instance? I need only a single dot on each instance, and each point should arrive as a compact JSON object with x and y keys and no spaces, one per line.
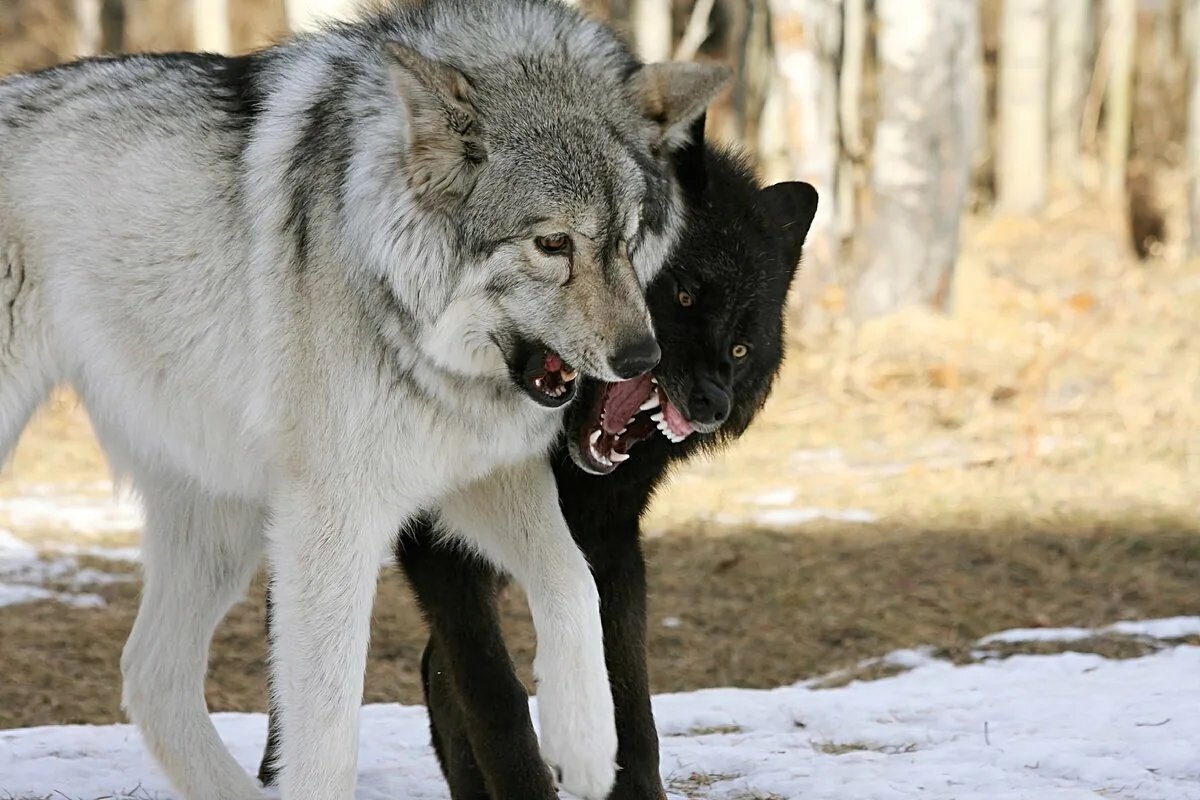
{"x":1033,"y":459}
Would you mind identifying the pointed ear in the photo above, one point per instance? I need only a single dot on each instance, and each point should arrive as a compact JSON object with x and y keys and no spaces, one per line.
{"x":690,"y":161}
{"x":445,"y":149}
{"x":673,"y":94}
{"x":792,"y":206}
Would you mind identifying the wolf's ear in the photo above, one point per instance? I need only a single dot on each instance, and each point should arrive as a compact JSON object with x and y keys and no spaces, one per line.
{"x":689,"y":161}
{"x":791,"y":206}
{"x":673,"y":94}
{"x":445,"y":150}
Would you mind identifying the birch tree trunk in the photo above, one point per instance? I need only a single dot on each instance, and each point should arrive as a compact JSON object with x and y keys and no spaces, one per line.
{"x":305,"y":15}
{"x":87,"y":28}
{"x":1118,"y":102}
{"x":1022,"y":157}
{"x":210,"y":25}
{"x":652,"y":29}
{"x":1191,"y":43}
{"x":1070,"y":62}
{"x":99,"y":27}
{"x":922,"y":158}
{"x":850,"y":99}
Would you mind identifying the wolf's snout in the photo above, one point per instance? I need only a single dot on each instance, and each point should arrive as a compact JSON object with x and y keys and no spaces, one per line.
{"x":635,"y":358}
{"x":709,"y":402}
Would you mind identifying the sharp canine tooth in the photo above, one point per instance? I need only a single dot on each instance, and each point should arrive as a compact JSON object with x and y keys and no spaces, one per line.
{"x":618,"y":457}
{"x":657,"y":418}
{"x":568,"y":375}
{"x":651,"y":403}
{"x":595,"y":437}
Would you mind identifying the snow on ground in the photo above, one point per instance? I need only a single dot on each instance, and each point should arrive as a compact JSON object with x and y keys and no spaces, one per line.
{"x":84,"y":510}
{"x":23,"y":574}
{"x":1069,"y":726}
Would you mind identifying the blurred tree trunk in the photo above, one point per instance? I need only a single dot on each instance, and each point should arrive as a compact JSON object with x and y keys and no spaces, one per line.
{"x":923,"y":147}
{"x":1022,"y":150}
{"x":851,"y":154}
{"x":99,"y":27}
{"x":1191,"y":42}
{"x":305,"y":15}
{"x":699,"y":26}
{"x":653,"y":26}
{"x":756,"y":68}
{"x":1070,"y":63}
{"x":87,"y":28}
{"x":210,"y":25}
{"x":1121,"y":19}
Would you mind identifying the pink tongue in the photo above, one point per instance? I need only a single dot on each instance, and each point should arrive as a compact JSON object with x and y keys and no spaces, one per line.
{"x":553,"y":363}
{"x":623,"y":401}
{"x":676,"y":421}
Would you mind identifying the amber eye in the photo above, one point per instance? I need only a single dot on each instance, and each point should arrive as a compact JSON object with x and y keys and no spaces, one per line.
{"x":684,"y":299}
{"x":558,"y":244}
{"x":739,"y":351}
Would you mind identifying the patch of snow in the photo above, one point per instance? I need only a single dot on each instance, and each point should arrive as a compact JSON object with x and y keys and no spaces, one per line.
{"x":14,"y":549}
{"x":12,"y":594}
{"x":779,"y":497}
{"x":800,"y":516}
{"x":1019,"y":635}
{"x":23,"y":575}
{"x":1170,"y":628}
{"x":1062,"y":727}
{"x":44,"y":510}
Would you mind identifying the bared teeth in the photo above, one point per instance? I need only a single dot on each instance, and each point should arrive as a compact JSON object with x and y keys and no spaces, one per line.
{"x":651,"y":403}
{"x":658,"y":418}
{"x":618,"y":457}
{"x":595,"y":437}
{"x":568,"y":374}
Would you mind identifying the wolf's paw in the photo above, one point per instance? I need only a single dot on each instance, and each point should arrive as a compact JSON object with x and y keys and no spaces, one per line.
{"x":579,"y":739}
{"x":585,"y":773}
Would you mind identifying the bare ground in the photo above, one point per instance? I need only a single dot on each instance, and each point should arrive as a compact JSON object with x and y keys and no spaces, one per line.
{"x":1033,"y":459}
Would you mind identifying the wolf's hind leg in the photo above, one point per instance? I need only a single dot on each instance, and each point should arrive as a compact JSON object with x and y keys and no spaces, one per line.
{"x":199,"y":554}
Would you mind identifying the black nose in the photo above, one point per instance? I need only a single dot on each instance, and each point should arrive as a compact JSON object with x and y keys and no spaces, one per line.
{"x":709,"y":402}
{"x":635,"y":358}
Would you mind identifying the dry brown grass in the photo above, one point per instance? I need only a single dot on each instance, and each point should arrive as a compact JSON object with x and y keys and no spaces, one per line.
{"x":942,"y":427}
{"x":1033,"y":459}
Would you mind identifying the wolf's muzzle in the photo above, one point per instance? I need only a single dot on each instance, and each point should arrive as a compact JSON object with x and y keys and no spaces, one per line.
{"x":636,"y":358}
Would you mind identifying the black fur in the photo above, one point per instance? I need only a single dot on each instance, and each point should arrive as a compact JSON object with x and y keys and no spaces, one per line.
{"x":737,"y":258}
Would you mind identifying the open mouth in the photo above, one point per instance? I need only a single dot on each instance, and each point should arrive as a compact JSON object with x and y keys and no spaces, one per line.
{"x":626,"y":413}
{"x":544,"y":375}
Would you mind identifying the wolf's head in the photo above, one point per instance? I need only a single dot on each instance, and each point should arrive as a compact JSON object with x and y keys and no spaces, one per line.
{"x":552,"y":170}
{"x":718,"y":310}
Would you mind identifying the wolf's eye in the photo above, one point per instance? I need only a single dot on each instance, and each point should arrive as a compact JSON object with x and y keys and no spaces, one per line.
{"x":739,"y":351}
{"x":558,"y":244}
{"x":685,"y":299}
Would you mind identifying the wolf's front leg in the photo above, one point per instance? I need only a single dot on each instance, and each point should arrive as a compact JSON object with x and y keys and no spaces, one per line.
{"x":514,"y":518}
{"x":325,"y":561}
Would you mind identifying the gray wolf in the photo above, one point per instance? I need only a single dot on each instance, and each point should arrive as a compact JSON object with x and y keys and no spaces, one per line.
{"x":310,"y":293}
{"x":718,"y":313}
